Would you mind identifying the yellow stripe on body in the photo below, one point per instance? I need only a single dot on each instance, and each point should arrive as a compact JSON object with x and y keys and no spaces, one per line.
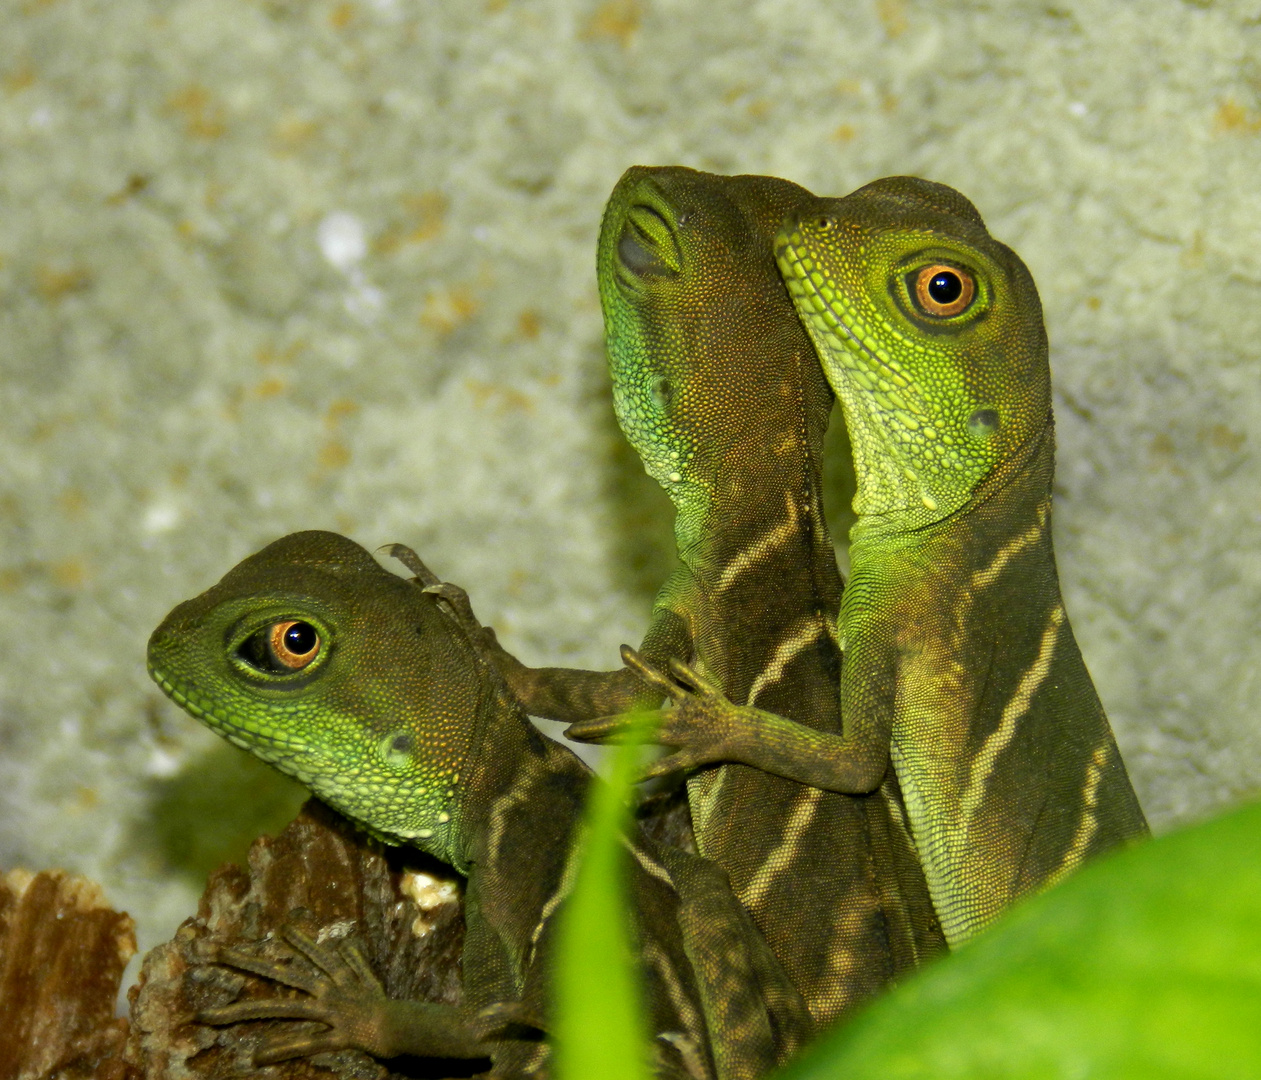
{"x":804,"y":634}
{"x":998,"y":740}
{"x":780,"y":860}
{"x":1089,"y":823}
{"x":983,"y":578}
{"x":751,"y":556}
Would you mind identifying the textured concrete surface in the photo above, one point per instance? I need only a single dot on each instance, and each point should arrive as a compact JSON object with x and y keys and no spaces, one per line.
{"x":278,"y":264}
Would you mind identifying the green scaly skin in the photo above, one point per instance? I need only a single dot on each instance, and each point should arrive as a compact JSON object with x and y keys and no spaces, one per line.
{"x":716,"y":386}
{"x":398,"y":720}
{"x":960,"y":662}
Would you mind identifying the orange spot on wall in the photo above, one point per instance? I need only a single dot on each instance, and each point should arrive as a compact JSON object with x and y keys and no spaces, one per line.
{"x":270,"y":388}
{"x":69,"y":573}
{"x":429,"y":211}
{"x":424,"y":218}
{"x":291,"y":132}
{"x":617,"y":20}
{"x":203,"y":116}
{"x":446,"y":310}
{"x":844,"y":133}
{"x":1220,"y":436}
{"x":1094,"y":303}
{"x":44,"y":430}
{"x":1163,"y":455}
{"x":267,"y":355}
{"x":338,"y":411}
{"x":503,"y":399}
{"x":19,"y":78}
{"x":136,"y":183}
{"x":1232,"y":118}
{"x":529,"y":323}
{"x":892,"y":16}
{"x":342,"y":16}
{"x":73,"y":502}
{"x":334,"y":455}
{"x":55,"y":282}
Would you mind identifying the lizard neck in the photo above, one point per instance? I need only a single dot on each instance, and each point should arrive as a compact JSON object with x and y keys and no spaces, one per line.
{"x":524,"y":795}
{"x":758,"y":583}
{"x":997,"y":727}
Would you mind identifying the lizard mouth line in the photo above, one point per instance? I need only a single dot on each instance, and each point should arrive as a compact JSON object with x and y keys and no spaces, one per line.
{"x":245,"y":738}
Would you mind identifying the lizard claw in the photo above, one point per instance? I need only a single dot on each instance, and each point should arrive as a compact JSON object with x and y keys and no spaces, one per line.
{"x":693,"y":680}
{"x":646,"y":671}
{"x":413,"y":562}
{"x":615,"y":729}
{"x":679,"y":761}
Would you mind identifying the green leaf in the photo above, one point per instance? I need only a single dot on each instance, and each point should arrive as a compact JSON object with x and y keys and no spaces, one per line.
{"x":599,"y":1028}
{"x":1147,"y":964}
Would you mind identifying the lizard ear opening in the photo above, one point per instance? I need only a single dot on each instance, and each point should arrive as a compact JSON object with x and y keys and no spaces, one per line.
{"x":396,"y":748}
{"x":983,"y":423}
{"x":662,"y":393}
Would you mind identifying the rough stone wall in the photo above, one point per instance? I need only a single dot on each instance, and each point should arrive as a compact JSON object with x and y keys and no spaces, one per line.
{"x":280,"y":264}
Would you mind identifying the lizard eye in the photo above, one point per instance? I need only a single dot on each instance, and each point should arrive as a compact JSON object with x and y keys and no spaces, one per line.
{"x":282,"y":648}
{"x":943,"y":291}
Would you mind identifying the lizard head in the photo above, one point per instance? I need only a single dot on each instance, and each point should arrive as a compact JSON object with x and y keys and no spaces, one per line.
{"x":705,"y":352}
{"x":351,"y":679}
{"x":931,"y":333}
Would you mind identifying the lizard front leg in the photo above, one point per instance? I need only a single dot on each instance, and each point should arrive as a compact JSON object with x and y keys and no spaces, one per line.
{"x":705,"y":727}
{"x":346,"y":996}
{"x":574,"y":694}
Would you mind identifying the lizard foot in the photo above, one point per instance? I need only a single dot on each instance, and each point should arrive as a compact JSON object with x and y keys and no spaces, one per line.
{"x":343,"y":994}
{"x":703,"y":726}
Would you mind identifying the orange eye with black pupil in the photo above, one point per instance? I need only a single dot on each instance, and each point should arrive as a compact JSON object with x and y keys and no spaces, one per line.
{"x":942,"y":291}
{"x":293,"y":644}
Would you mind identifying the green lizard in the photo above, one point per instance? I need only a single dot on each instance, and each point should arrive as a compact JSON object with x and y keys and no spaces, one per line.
{"x":960,"y":662}
{"x":374,"y":691}
{"x":716,"y":386}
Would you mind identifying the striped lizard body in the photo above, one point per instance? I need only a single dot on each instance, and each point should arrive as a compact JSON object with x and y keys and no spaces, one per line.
{"x":716,"y":386}
{"x":960,"y":663}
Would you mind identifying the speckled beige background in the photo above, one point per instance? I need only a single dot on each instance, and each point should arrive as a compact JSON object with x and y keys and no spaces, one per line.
{"x":277,"y":264}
